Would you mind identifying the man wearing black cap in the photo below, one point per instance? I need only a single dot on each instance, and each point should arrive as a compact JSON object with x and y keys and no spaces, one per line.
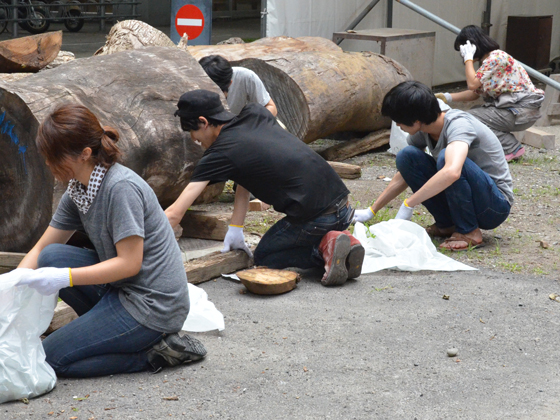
{"x":254,"y":151}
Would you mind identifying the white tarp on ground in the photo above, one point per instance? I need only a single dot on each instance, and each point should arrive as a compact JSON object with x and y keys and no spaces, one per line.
{"x":323,"y":17}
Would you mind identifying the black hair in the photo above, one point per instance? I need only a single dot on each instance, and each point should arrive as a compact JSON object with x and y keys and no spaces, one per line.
{"x":409,"y":102}
{"x":218,"y":69}
{"x":475,"y":34}
{"x":188,"y":124}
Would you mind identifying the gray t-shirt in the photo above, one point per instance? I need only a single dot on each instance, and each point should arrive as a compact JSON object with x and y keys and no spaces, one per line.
{"x":484,"y":147}
{"x":125,"y":205}
{"x":246,"y":87}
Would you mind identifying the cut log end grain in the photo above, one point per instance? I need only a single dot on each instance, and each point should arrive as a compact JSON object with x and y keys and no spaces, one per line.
{"x":268,"y":281}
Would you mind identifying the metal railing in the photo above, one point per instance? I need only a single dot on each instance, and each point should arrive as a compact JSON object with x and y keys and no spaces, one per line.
{"x":102,"y":11}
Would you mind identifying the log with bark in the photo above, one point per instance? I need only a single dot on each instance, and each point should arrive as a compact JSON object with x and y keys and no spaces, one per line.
{"x":264,"y":47}
{"x":135,"y":92}
{"x":29,"y":53}
{"x":346,"y":150}
{"x":321,"y":93}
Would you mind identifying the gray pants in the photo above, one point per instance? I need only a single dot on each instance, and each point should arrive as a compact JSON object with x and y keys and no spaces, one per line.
{"x":502,"y":122}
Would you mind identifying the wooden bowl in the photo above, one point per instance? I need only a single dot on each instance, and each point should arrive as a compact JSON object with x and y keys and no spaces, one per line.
{"x":268,"y":281}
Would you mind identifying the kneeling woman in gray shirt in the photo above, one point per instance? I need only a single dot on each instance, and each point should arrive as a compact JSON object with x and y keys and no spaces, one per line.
{"x":130,"y":292}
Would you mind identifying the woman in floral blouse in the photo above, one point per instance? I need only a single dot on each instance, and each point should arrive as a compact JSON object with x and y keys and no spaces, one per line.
{"x":512,"y":103}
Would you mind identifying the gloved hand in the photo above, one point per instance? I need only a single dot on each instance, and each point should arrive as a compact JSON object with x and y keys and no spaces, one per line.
{"x":47,"y":280}
{"x":234,"y":240}
{"x":467,"y":51}
{"x":363,"y":215}
{"x":405,"y":212}
{"x":445,"y":97}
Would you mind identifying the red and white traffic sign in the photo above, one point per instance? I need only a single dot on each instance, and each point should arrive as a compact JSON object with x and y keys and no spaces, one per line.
{"x":189,"y":20}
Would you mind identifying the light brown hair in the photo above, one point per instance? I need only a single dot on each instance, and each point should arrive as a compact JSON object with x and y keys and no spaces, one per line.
{"x":67,"y":131}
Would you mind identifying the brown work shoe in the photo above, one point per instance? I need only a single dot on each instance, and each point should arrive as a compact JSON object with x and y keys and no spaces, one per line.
{"x":334,"y":247}
{"x":355,"y":257}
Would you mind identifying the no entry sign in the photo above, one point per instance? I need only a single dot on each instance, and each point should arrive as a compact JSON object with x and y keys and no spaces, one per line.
{"x":189,"y":20}
{"x":191,"y":17}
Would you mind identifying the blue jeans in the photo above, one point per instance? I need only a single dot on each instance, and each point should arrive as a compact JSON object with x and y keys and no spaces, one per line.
{"x":292,"y":244}
{"x":105,"y":339}
{"x":473,"y":201}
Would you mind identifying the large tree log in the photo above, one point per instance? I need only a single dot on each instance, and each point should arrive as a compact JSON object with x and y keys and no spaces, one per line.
{"x":134,"y":91}
{"x":29,"y":53}
{"x":321,"y":93}
{"x":265,"y":47}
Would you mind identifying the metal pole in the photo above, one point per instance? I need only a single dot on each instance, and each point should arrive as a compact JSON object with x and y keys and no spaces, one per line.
{"x":15,"y":17}
{"x":532,"y":72}
{"x":264,"y":13}
{"x":486,"y":18}
{"x":389,"y":13}
{"x":359,"y":18}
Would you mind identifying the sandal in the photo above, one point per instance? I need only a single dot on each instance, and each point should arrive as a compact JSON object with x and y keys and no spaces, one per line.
{"x":434,"y":231}
{"x":459,"y":237}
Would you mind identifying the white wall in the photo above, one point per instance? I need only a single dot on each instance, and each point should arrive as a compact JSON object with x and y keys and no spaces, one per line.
{"x":323,"y":17}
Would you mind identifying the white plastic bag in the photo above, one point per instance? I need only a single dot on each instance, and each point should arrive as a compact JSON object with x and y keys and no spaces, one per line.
{"x":203,"y":315}
{"x":403,"y":245}
{"x":24,"y":315}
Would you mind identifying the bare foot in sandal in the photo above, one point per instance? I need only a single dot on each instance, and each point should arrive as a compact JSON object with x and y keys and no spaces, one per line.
{"x":434,"y":231}
{"x":461,"y":242}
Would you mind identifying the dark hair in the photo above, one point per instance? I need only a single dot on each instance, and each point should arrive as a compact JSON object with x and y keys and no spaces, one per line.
{"x":218,"y":69}
{"x":67,"y":131}
{"x":188,"y":124}
{"x":475,"y":34}
{"x":409,"y":102}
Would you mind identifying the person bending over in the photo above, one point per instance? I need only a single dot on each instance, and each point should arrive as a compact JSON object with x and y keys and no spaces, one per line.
{"x":241,"y":86}
{"x":512,"y":103}
{"x":131,"y":291}
{"x":465,"y":184}
{"x":278,"y":168}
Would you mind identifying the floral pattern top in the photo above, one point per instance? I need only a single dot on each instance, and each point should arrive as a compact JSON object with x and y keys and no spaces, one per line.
{"x":499,"y":73}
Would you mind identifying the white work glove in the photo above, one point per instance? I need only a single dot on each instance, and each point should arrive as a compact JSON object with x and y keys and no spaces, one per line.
{"x":363,"y":215}
{"x":405,"y":212}
{"x":445,"y":97}
{"x":467,"y":51}
{"x":234,"y":240}
{"x":47,"y":280}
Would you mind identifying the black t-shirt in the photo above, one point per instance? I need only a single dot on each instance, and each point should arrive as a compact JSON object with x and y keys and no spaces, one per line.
{"x":277,"y":167}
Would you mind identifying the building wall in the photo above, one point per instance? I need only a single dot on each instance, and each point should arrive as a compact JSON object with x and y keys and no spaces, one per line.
{"x":323,"y":17}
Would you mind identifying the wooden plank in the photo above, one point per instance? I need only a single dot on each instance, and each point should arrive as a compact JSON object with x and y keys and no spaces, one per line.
{"x":554,"y":110}
{"x":10,"y":260}
{"x":549,"y":109}
{"x":63,"y":314}
{"x":345,"y":170}
{"x":356,"y":147}
{"x":213,"y":265}
{"x":536,"y":138}
{"x":205,"y":225}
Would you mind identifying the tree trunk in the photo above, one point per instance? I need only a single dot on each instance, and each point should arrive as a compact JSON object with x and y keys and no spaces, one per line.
{"x":264,"y":47}
{"x":321,"y":93}
{"x":135,"y":92}
{"x":29,"y":53}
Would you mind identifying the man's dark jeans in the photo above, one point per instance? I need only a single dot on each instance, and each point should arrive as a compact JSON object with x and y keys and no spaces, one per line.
{"x":473,"y":201}
{"x":292,"y":244}
{"x":105,"y":339}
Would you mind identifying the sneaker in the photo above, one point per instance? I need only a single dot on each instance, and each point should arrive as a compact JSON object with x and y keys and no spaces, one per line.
{"x":515,"y":155}
{"x":175,"y":350}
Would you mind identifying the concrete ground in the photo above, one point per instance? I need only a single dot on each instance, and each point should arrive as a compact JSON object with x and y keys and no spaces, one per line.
{"x":375,"y":348}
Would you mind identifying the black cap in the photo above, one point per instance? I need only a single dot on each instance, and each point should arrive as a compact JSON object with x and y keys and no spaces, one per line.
{"x":202,"y":103}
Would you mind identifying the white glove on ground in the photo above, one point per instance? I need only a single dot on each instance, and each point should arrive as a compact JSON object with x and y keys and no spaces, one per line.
{"x":405,"y":212}
{"x":47,"y":280}
{"x":362,"y":215}
{"x":445,"y":97}
{"x":235,"y":240}
{"x":467,"y":51}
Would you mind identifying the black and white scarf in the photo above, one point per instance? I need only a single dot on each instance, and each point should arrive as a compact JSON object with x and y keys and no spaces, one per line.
{"x":82,"y":196}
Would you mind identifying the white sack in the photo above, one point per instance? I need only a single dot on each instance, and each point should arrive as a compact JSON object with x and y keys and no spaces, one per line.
{"x":402,"y":245}
{"x":203,"y":315}
{"x":25,"y":314}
